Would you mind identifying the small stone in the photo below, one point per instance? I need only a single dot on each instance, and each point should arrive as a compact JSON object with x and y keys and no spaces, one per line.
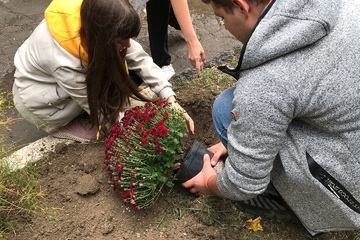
{"x":107,"y":228}
{"x":87,"y":185}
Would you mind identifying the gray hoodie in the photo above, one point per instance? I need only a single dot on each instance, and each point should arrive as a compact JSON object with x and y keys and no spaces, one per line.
{"x":299,"y":93}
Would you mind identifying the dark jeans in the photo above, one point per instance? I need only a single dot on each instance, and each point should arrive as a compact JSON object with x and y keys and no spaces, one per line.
{"x":159,"y":15}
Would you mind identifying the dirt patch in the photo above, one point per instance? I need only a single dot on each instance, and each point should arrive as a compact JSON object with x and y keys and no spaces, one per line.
{"x":82,"y":205}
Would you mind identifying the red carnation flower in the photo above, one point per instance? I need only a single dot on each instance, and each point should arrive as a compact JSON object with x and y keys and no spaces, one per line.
{"x":162,"y":130}
{"x":140,"y":152}
{"x":144,"y":141}
{"x":158,"y":149}
{"x":139,"y":126}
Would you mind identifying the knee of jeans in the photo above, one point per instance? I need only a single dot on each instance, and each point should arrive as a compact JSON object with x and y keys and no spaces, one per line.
{"x":216,"y":116}
{"x":222,"y":107}
{"x":221,"y":130}
{"x":223,"y":137}
{"x":216,"y":112}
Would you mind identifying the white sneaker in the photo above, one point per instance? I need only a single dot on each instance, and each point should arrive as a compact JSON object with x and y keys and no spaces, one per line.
{"x":168,"y":71}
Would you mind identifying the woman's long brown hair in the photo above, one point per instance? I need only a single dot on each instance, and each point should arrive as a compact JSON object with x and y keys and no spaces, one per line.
{"x":109,"y":86}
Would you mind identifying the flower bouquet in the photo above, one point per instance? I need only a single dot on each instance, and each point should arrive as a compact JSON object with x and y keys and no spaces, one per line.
{"x":140,"y":152}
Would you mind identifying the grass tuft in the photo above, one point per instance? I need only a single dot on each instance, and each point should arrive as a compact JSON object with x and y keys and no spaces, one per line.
{"x":5,"y":104}
{"x":19,"y":191}
{"x":19,"y":195}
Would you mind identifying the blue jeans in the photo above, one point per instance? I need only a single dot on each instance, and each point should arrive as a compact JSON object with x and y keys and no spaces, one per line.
{"x":221,"y":113}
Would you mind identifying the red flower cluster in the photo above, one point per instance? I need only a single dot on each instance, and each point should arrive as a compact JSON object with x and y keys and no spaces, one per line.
{"x":141,"y":150}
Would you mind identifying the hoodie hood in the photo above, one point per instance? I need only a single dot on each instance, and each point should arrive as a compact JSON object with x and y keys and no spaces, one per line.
{"x":64,"y":22}
{"x":287,"y":26}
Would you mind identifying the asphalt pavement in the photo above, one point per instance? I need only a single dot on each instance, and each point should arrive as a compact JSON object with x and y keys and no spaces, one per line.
{"x":18,"y":18}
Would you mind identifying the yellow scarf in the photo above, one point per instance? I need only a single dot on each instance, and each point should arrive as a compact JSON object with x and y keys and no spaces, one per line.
{"x":63,"y":20}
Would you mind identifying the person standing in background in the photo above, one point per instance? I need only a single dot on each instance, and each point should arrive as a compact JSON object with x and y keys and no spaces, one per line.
{"x":161,"y":14}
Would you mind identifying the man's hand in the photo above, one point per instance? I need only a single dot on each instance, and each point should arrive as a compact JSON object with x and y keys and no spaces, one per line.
{"x":219,"y":150}
{"x":198,"y":184}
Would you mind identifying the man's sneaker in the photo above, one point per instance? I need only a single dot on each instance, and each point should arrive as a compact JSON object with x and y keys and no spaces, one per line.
{"x":78,"y":130}
{"x":267,"y":205}
{"x":168,"y":71}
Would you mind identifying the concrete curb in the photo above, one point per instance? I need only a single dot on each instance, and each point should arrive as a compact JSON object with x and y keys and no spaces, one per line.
{"x":33,"y":152}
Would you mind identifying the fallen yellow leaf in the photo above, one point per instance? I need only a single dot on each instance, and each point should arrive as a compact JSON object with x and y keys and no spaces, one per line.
{"x":254,"y":224}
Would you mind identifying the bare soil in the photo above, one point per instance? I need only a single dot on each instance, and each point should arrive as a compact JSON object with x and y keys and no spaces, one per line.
{"x":80,"y":202}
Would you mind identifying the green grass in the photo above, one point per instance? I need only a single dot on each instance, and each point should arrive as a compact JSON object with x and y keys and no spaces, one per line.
{"x":5,"y":104}
{"x":178,"y":204}
{"x":211,"y":80}
{"x":19,"y":194}
{"x":19,"y":191}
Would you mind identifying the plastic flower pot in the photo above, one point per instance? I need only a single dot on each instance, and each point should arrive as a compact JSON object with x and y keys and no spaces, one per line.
{"x":193,"y":162}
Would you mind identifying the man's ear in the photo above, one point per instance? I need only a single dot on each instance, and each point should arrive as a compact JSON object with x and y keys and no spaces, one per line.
{"x":243,"y":4}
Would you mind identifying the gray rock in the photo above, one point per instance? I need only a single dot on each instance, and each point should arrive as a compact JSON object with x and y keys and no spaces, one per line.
{"x":87,"y":185}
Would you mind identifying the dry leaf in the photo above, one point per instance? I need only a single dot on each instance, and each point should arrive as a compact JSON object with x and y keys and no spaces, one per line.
{"x":254,"y":224}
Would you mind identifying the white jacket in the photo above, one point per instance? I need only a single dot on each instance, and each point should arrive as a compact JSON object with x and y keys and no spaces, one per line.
{"x":50,"y":82}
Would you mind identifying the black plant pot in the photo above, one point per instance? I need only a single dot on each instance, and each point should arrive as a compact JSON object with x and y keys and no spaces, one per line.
{"x":193,"y":162}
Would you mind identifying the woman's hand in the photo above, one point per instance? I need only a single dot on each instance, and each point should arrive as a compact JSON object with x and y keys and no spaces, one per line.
{"x":189,"y":121}
{"x":219,"y":150}
{"x":196,"y":55}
